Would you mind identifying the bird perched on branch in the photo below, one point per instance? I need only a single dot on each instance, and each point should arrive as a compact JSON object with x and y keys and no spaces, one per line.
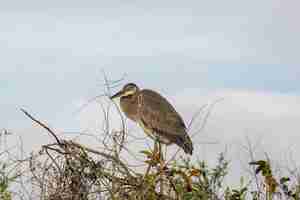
{"x":155,"y":115}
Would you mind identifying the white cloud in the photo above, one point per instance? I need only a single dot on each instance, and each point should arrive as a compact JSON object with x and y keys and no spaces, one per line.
{"x":267,"y":119}
{"x":270,"y":120}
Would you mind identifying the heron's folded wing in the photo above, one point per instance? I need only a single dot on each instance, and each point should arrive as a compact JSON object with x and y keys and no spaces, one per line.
{"x":158,"y":114}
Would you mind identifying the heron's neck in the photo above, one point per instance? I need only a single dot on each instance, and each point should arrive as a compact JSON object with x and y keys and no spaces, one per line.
{"x":129,"y":106}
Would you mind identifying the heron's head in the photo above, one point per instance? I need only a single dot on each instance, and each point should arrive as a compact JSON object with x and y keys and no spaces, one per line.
{"x":128,"y":89}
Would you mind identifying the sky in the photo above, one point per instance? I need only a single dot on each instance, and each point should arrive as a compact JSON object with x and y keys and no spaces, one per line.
{"x":193,"y":52}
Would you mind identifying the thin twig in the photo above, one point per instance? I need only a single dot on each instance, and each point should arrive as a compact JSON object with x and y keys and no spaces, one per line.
{"x":42,"y":125}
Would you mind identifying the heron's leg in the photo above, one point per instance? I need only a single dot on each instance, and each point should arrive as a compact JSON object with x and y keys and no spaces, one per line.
{"x":161,"y":168}
{"x":154,"y":153}
{"x":161,"y":156}
{"x":156,"y":148}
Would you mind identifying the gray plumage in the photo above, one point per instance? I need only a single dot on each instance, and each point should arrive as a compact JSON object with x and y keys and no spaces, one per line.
{"x":155,"y":115}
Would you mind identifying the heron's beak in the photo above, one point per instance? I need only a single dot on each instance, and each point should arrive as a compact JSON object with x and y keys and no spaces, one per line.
{"x":118,"y":94}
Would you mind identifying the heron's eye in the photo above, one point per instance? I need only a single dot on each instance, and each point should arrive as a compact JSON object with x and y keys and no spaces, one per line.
{"x":130,"y":88}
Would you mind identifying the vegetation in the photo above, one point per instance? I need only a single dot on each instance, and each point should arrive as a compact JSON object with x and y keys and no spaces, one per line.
{"x":68,"y":170}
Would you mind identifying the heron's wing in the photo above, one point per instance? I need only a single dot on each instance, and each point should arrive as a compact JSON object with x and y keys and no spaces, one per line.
{"x":157,"y":113}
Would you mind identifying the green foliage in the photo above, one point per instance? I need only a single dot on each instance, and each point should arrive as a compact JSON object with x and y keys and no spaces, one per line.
{"x":198,"y":181}
{"x":237,"y":194}
{"x":5,"y":182}
{"x":67,"y":170}
{"x":77,"y":174}
{"x":273,"y":187}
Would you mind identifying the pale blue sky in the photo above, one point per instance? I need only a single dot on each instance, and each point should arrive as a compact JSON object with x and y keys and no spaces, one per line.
{"x":52,"y":54}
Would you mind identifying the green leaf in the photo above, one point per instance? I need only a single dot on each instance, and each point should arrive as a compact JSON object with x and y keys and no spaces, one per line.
{"x":188,"y":196}
{"x":284,"y":180}
{"x":146,"y":152}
